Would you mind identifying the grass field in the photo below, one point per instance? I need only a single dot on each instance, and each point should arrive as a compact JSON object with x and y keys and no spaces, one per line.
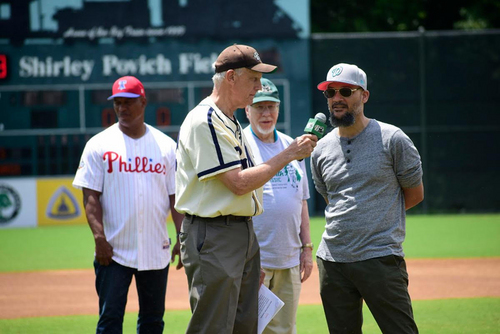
{"x":439,"y":236}
{"x":452,"y":316}
{"x":71,"y":247}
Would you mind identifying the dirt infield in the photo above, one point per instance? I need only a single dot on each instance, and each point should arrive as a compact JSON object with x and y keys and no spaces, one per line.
{"x":71,"y":292}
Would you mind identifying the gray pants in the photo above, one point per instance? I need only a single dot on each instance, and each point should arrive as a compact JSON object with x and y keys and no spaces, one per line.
{"x":381,"y":282}
{"x":222,"y":262}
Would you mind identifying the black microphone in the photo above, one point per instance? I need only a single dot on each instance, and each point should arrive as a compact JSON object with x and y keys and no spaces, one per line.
{"x":317,"y":125}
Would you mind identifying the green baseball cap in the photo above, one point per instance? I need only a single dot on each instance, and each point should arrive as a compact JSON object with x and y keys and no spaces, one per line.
{"x":269,"y":92}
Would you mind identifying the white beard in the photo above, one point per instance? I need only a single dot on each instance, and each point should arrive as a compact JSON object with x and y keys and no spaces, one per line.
{"x":265,"y":131}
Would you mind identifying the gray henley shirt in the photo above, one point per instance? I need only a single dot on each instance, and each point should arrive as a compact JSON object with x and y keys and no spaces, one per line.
{"x":362,"y":178}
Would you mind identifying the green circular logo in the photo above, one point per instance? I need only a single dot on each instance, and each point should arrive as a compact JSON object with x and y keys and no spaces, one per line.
{"x":10,"y":204}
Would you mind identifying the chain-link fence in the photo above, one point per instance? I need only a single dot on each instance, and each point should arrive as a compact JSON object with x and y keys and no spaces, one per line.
{"x":443,"y":90}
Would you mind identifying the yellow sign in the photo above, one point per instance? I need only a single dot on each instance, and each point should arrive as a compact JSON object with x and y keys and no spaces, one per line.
{"x":59,"y":203}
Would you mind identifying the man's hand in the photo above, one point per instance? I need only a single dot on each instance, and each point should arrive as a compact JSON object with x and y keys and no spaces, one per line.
{"x":262,"y":277}
{"x":302,"y":146}
{"x":103,"y":251}
{"x":306,"y":264}
{"x":176,"y":251}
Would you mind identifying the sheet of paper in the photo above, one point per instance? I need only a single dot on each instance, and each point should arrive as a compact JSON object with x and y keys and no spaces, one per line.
{"x":269,"y":305}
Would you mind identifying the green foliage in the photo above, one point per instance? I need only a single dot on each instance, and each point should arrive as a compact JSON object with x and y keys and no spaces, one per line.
{"x":449,"y":316}
{"x":388,"y":15}
{"x":482,"y":14}
{"x":469,"y":21}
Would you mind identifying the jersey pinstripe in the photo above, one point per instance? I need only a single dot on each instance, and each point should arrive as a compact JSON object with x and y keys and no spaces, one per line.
{"x":135,"y":177}
{"x":211,"y":143}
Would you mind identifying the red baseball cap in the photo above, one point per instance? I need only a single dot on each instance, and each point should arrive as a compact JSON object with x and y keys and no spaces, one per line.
{"x":127,"y":86}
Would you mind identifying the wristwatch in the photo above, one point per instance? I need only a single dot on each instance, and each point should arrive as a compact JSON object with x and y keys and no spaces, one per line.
{"x":308,"y":245}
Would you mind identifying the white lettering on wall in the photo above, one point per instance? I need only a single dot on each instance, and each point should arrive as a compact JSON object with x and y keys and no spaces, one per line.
{"x":196,"y":63}
{"x":123,"y":32}
{"x":67,"y":67}
{"x":34,"y":67}
{"x":143,"y":65}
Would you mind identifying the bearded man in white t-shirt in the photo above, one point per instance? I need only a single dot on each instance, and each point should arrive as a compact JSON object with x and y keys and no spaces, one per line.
{"x":283,"y":228}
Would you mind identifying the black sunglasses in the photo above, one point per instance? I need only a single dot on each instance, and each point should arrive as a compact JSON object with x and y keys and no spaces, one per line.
{"x":345,"y":92}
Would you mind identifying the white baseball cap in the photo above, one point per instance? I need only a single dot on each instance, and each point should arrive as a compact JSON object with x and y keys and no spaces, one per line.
{"x":346,"y":73}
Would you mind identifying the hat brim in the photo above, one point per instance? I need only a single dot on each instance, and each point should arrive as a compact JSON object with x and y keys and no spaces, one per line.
{"x":324,"y":85}
{"x":264,"y":68}
{"x":129,"y":95}
{"x":265,"y":98}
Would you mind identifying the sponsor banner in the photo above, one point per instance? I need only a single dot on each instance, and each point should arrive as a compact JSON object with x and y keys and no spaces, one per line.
{"x":59,"y":203}
{"x":18,"y":202}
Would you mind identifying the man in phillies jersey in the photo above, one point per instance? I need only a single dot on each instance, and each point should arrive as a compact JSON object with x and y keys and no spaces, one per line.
{"x":127,"y":176}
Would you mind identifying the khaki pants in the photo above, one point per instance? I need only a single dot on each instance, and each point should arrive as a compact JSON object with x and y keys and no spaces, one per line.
{"x":285,"y":283}
{"x":222,"y":262}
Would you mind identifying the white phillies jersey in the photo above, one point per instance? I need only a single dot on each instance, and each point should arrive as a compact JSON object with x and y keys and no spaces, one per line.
{"x":135,"y":177}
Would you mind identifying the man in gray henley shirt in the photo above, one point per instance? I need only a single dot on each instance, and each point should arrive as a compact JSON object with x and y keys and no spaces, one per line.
{"x":369,"y":174}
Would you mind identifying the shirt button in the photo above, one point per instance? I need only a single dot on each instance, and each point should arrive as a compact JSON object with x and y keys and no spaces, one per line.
{"x":349,"y":142}
{"x":348,"y":160}
{"x":348,"y":151}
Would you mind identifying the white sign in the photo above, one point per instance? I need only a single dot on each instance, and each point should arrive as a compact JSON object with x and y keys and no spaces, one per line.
{"x":18,"y":202}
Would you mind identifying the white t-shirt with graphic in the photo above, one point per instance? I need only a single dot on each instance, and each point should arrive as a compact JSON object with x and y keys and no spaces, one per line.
{"x":278,"y":228}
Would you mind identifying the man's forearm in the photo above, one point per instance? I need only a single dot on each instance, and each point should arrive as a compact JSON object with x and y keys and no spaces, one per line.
{"x":305,"y":232}
{"x":176,"y":216}
{"x":93,"y":212}
{"x":413,"y":196}
{"x":242,"y":181}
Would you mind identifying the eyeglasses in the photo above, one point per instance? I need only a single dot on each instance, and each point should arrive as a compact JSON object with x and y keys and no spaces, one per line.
{"x":273,"y":108}
{"x":345,"y":92}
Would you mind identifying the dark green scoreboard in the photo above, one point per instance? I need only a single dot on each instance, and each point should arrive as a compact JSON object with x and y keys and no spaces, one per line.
{"x":54,"y":97}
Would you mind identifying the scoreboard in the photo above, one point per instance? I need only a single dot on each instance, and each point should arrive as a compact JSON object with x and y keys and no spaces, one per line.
{"x":53,"y":96}
{"x":45,"y":127}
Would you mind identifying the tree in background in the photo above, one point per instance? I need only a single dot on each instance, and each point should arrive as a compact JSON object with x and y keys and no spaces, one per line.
{"x":390,"y":15}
